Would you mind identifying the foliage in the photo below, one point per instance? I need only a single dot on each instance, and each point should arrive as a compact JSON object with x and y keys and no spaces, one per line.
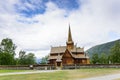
{"x":115,"y":53}
{"x":99,"y":59}
{"x":8,"y":46}
{"x":102,"y":48}
{"x":113,"y":57}
{"x":26,"y":59}
{"x":21,"y":59}
{"x":103,"y":59}
{"x":30,"y":58}
{"x":95,"y":58}
{"x":44,"y":60}
{"x":7,"y":52}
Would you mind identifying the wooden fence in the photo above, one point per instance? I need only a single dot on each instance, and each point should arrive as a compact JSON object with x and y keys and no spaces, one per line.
{"x":78,"y":66}
{"x":28,"y":67}
{"x":53,"y":67}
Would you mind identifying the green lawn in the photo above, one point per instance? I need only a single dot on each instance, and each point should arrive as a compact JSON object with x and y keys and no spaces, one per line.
{"x":62,"y":75}
{"x":117,"y":79}
{"x":6,"y":71}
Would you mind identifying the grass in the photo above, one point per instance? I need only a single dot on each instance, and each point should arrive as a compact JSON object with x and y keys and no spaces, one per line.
{"x":63,"y":75}
{"x":9,"y":71}
{"x":86,"y":73}
{"x":117,"y":79}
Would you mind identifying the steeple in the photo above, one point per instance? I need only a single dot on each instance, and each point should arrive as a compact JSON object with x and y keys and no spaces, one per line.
{"x":70,"y":43}
{"x":69,"y":35}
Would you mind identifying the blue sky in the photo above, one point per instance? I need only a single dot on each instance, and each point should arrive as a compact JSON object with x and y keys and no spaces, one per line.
{"x":40,"y":6}
{"x":36,"y":25}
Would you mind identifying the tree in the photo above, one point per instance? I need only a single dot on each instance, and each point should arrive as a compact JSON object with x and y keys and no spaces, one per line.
{"x":44,"y":60}
{"x":26,"y":59}
{"x":7,"y":52}
{"x":115,"y":53}
{"x":8,"y":46}
{"x":95,"y":58}
{"x":7,"y":59}
{"x":21,"y":59}
{"x":103,"y":59}
{"x":30,"y":58}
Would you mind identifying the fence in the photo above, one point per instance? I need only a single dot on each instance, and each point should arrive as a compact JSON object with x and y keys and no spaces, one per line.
{"x":53,"y":67}
{"x":28,"y":67}
{"x":78,"y":66}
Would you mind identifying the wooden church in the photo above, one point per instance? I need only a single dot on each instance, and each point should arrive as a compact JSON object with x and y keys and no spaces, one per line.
{"x":68,"y":55}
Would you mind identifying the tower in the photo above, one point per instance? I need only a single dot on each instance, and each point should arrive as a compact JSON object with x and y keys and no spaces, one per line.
{"x":69,"y":43}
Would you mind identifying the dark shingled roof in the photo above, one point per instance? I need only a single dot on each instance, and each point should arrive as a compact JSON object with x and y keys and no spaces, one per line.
{"x":61,"y":49}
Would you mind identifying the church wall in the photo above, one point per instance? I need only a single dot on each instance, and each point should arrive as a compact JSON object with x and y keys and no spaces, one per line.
{"x":52,"y":61}
{"x":67,"y":59}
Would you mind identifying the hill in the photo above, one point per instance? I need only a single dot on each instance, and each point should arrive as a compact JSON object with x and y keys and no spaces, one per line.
{"x":102,"y":48}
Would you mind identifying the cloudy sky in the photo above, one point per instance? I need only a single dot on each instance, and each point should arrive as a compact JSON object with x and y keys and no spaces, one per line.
{"x":36,"y":25}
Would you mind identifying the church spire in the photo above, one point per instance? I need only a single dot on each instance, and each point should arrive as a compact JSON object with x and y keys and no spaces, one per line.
{"x":70,"y":43}
{"x":69,"y":35}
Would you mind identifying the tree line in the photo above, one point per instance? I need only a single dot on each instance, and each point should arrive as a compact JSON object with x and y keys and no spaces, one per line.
{"x":7,"y":54}
{"x":112,"y":58}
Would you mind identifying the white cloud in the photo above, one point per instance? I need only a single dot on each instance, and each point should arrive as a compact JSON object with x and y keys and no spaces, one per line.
{"x":91,"y":25}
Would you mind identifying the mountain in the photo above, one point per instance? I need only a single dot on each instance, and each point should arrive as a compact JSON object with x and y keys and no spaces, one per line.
{"x":102,"y":48}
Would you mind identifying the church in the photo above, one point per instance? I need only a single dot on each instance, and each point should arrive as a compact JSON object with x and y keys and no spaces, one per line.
{"x":67,"y":55}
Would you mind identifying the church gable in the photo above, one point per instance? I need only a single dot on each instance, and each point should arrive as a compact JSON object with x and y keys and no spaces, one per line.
{"x":67,"y":58}
{"x":67,"y":54}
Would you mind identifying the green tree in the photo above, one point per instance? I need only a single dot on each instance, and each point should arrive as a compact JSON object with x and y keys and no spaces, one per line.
{"x":95,"y":58}
{"x":30,"y":58}
{"x":0,"y":53}
{"x":103,"y":59}
{"x":115,"y":53}
{"x":26,"y":59}
{"x":21,"y":59}
{"x":8,"y":46}
{"x":7,"y":59}
{"x":44,"y":60}
{"x":7,"y":52}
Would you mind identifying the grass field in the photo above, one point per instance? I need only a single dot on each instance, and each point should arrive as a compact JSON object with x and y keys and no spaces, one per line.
{"x":117,"y":79}
{"x":61,"y":75}
{"x":6,"y":71}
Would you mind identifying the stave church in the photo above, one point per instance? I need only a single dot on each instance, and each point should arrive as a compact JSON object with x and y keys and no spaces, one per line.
{"x":68,"y":55}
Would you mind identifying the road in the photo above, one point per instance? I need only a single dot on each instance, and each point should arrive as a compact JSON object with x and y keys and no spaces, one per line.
{"x":105,"y":77}
{"x":28,"y":72}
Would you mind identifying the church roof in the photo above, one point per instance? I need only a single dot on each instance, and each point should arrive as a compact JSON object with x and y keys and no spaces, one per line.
{"x":73,"y":55}
{"x":61,"y":49}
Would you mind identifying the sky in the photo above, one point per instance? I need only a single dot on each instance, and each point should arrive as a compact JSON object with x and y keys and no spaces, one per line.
{"x":37,"y":25}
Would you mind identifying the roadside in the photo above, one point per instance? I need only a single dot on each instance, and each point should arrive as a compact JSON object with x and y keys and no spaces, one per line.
{"x":105,"y":77}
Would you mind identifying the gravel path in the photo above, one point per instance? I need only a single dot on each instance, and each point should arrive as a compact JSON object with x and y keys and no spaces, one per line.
{"x":105,"y":77}
{"x":28,"y":72}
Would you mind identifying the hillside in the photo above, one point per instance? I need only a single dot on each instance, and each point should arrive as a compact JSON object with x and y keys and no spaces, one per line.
{"x":102,"y":48}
